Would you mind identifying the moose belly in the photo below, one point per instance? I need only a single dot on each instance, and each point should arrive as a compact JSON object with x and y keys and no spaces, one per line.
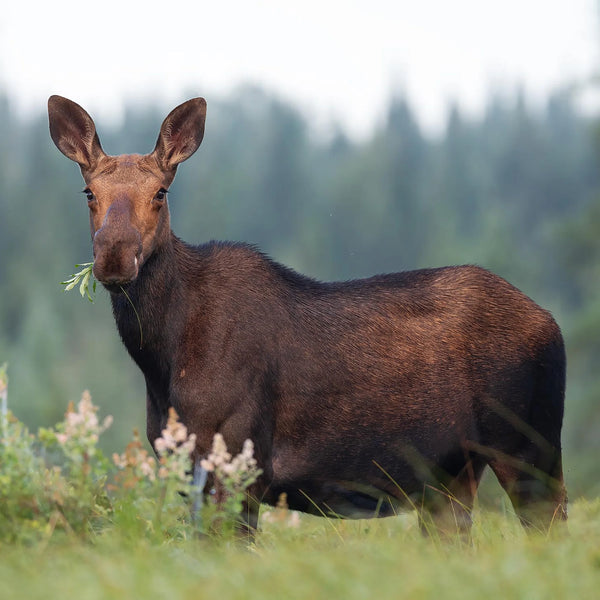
{"x":361,"y":477}
{"x":345,"y":499}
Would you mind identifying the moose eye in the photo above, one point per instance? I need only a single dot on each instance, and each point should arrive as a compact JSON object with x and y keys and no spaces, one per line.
{"x":89,"y":194}
{"x":161,"y":194}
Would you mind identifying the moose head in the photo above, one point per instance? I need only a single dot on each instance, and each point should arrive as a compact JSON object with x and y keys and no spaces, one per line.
{"x":126,"y":194}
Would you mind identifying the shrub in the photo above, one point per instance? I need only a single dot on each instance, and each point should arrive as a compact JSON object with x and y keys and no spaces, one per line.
{"x":60,"y":481}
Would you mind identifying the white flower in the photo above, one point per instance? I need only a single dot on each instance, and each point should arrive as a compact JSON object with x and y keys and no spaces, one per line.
{"x":81,"y":425}
{"x":248,"y":450}
{"x":235,"y":473}
{"x":119,"y":460}
{"x":207,"y":465}
{"x":294,"y":520}
{"x":147,"y":467}
{"x":160,"y":445}
{"x":174,"y":448}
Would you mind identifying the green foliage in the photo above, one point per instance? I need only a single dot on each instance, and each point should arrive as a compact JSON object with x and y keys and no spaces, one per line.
{"x":3,"y":393}
{"x":82,"y":278}
{"x":61,"y":481}
{"x":53,"y":481}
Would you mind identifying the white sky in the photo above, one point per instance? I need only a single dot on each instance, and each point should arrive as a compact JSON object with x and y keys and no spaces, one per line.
{"x":336,"y":59}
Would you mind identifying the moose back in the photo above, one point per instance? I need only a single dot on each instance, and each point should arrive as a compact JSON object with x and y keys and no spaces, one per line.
{"x":360,"y":396}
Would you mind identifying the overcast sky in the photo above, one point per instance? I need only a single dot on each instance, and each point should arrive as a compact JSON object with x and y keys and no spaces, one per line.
{"x":335,"y":59}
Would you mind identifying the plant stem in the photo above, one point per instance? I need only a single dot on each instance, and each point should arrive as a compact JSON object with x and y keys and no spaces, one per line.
{"x":160,"y":505}
{"x":137,"y":316}
{"x":4,"y":398}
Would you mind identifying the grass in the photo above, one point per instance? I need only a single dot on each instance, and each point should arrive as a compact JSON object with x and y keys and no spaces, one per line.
{"x":62,"y":535}
{"x":386,"y":558}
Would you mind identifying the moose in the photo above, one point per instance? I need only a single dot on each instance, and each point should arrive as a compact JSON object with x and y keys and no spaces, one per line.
{"x":362,"y":397}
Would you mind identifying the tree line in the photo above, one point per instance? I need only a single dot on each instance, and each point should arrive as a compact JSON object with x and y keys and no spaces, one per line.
{"x":516,"y":190}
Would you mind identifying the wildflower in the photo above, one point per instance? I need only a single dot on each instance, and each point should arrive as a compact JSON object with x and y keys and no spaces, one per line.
{"x":119,"y":460}
{"x":147,"y":467}
{"x":174,"y":448}
{"x":294,"y":520}
{"x":3,"y":381}
{"x":281,"y":514}
{"x":82,"y":424}
{"x":219,"y":455}
{"x":160,"y":445}
{"x":135,"y":463}
{"x":236,"y":473}
{"x":175,"y":437}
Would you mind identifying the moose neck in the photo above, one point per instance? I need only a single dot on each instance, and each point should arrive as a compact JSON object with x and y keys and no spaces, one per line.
{"x":148,"y":312}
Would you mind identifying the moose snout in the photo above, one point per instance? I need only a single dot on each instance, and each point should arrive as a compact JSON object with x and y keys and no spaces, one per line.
{"x":117,"y":256}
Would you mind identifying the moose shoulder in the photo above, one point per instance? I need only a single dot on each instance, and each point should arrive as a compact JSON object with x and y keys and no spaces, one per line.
{"x":360,"y":396}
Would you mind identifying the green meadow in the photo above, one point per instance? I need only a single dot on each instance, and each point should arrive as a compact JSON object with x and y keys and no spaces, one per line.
{"x":76,"y":524}
{"x":320,"y":558}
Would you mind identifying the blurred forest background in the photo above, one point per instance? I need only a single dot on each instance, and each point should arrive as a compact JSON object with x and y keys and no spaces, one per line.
{"x":516,"y":190}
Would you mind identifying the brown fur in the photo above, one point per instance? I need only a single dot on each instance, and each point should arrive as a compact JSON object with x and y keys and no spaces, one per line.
{"x":360,"y":396}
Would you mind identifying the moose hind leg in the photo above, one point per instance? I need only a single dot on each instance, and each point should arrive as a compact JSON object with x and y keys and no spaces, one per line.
{"x":535,"y":486}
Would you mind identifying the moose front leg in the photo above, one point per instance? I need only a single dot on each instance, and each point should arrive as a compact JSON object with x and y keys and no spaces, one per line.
{"x":198,"y":491}
{"x":154,"y":423}
{"x":244,"y":520}
{"x":232,"y":489}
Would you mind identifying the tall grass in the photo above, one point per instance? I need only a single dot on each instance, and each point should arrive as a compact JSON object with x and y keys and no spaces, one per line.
{"x":387,"y":558}
{"x":70,"y":527}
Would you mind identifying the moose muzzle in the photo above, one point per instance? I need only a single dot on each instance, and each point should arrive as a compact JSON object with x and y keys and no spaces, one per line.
{"x":117,"y":247}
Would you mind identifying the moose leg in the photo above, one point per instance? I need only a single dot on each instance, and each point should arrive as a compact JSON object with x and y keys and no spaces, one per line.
{"x":198,"y":485}
{"x":248,"y":524}
{"x":153,"y":419}
{"x":447,"y":506}
{"x":243,"y":524}
{"x":535,"y":486}
{"x":248,"y":527}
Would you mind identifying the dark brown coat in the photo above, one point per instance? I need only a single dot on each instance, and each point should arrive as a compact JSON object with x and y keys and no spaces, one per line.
{"x":360,"y":396}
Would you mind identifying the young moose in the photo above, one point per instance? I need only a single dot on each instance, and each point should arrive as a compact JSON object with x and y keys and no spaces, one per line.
{"x":360,"y":396}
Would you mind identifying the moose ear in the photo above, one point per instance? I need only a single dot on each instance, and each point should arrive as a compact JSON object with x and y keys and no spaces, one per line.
{"x":180,"y":134}
{"x":74,"y":132}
